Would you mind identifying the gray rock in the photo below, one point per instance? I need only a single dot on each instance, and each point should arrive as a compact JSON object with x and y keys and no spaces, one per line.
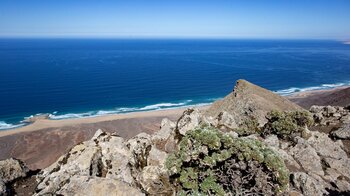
{"x":2,"y":187}
{"x":307,"y":156}
{"x":330,"y":115}
{"x":156,"y":157}
{"x":155,"y":181}
{"x":11,"y":169}
{"x":326,"y":147}
{"x":345,"y":119}
{"x":316,"y":109}
{"x":343,"y":132}
{"x":272,"y":140}
{"x":224,"y":119}
{"x":90,"y":186}
{"x":330,"y":110}
{"x":104,"y":156}
{"x":341,"y":165}
{"x":160,"y":137}
{"x":140,"y":146}
{"x":190,"y":119}
{"x":308,"y":185}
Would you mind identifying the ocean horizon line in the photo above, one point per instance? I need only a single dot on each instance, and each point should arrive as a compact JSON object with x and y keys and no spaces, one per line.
{"x":171,"y":38}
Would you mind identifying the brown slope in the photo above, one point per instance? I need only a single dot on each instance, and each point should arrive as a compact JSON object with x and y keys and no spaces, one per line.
{"x":333,"y":97}
{"x":248,"y":100}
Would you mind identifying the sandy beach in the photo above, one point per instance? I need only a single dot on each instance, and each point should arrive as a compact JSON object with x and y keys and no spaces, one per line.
{"x":42,"y":142}
{"x":47,"y":123}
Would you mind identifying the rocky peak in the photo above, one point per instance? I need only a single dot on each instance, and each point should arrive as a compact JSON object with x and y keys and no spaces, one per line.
{"x":249,"y":101}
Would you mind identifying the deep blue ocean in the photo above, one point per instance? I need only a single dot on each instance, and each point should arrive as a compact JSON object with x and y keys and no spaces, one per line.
{"x":88,"y":77}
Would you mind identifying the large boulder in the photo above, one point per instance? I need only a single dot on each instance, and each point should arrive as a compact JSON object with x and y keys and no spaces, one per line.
{"x":90,"y":186}
{"x":307,"y":156}
{"x":307,"y":184}
{"x":155,"y":181}
{"x":160,"y":137}
{"x":11,"y":169}
{"x":139,"y":146}
{"x":248,"y":101}
{"x":104,"y":156}
{"x":190,"y":119}
{"x":343,"y":132}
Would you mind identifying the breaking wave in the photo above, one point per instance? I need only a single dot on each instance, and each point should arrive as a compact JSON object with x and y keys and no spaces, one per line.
{"x":292,"y":90}
{"x":4,"y":125}
{"x":158,"y":106}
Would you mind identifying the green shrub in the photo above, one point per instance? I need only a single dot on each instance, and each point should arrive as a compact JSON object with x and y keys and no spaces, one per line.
{"x":287,"y":124}
{"x":211,"y":162}
{"x":248,"y":127}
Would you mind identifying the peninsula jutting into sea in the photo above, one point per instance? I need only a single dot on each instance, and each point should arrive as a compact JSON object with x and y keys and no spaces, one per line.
{"x":174,"y":98}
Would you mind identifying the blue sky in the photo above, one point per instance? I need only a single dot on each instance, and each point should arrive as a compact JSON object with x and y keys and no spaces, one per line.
{"x":318,"y":19}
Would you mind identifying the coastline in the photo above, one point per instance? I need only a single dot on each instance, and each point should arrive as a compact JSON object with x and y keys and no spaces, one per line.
{"x":41,"y":143}
{"x":38,"y":124}
{"x":49,"y":123}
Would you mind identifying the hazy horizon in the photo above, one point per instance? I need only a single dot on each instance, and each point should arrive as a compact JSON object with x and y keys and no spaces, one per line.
{"x":180,"y":19}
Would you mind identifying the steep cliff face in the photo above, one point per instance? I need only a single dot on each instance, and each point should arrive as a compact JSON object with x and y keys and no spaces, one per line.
{"x":248,"y":101}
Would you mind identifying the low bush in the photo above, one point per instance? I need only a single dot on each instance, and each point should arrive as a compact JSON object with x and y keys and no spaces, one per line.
{"x":211,"y":162}
{"x":287,"y":124}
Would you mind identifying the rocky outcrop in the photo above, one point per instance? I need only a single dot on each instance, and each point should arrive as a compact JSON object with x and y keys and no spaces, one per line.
{"x":108,"y":164}
{"x":318,"y":164}
{"x":104,"y":156}
{"x":249,"y":101}
{"x":10,"y":170}
{"x":91,"y":186}
{"x":307,"y":184}
{"x":343,"y":132}
{"x":330,"y":115}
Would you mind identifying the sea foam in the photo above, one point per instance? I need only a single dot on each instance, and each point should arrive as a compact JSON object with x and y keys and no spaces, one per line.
{"x":4,"y":125}
{"x":292,"y":90}
{"x":158,"y":106}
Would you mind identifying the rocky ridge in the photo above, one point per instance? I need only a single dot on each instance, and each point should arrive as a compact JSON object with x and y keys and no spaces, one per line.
{"x":248,"y":101}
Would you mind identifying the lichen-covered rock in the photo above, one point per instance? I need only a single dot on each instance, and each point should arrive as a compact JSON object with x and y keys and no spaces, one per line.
{"x":341,"y":165}
{"x":190,"y":119}
{"x":330,"y":115}
{"x":160,"y":137}
{"x":326,"y":147}
{"x":156,"y":157}
{"x":226,"y":121}
{"x":278,"y":146}
{"x":155,"y":181}
{"x":140,"y":146}
{"x":307,"y":184}
{"x":2,"y":187}
{"x":104,"y":156}
{"x":307,"y":156}
{"x":91,"y":186}
{"x":11,"y":169}
{"x":343,"y":132}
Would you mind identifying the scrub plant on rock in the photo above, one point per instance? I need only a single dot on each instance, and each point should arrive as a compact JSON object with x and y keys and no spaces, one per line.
{"x":210,"y":162}
{"x":287,"y":125}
